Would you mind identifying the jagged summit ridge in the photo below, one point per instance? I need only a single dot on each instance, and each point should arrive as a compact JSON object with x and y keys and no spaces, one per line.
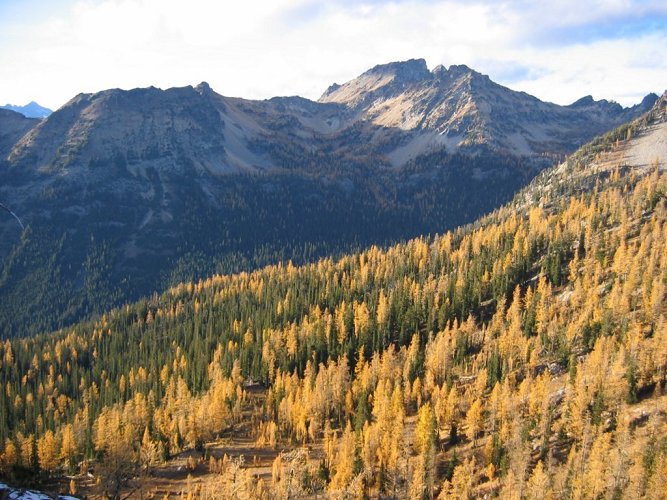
{"x":401,"y":108}
{"x":459,"y":107}
{"x":30,"y":110}
{"x":402,"y":72}
{"x":412,"y":70}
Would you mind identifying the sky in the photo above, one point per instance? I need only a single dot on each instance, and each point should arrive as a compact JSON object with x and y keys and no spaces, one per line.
{"x":557,"y":50}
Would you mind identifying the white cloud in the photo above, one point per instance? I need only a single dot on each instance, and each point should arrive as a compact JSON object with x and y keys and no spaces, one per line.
{"x":613,"y":69}
{"x":258,"y":49}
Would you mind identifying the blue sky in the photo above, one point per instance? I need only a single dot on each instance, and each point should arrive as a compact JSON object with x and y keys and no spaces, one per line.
{"x":557,"y":50}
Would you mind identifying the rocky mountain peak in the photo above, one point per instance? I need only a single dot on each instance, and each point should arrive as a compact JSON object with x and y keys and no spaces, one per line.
{"x":331,"y":89}
{"x":602,"y":105}
{"x":203,"y":88}
{"x":460,"y":69}
{"x":30,"y":110}
{"x":121,"y":128}
{"x":649,"y":100}
{"x":584,"y":101}
{"x":455,"y":72}
{"x":380,"y":81}
{"x":412,"y":70}
{"x":439,"y":70}
{"x":404,"y":80}
{"x":658,"y":111}
{"x":460,"y":107}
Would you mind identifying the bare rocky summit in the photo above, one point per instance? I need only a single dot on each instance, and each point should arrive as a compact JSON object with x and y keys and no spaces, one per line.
{"x":458,"y":107}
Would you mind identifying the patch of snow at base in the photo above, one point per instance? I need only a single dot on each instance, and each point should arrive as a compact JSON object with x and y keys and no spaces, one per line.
{"x":16,"y":494}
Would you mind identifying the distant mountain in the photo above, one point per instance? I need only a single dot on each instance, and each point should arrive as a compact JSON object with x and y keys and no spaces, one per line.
{"x":124,"y":192}
{"x":30,"y":110}
{"x":459,"y":107}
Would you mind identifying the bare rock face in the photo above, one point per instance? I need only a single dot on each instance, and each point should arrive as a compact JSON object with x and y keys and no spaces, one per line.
{"x":142,"y":127}
{"x":459,"y":107}
{"x":381,"y":82}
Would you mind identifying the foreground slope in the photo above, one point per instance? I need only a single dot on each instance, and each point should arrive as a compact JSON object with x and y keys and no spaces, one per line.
{"x":523,"y":355}
{"x":127,"y":192}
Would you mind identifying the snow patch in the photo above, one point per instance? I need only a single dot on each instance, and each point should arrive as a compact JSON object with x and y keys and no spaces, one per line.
{"x":16,"y":494}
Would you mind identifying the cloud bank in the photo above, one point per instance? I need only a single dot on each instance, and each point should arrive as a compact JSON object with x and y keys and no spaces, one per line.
{"x":557,"y":51}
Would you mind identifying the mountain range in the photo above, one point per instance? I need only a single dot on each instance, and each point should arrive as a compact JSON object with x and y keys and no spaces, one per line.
{"x":30,"y":110}
{"x":126,"y":192}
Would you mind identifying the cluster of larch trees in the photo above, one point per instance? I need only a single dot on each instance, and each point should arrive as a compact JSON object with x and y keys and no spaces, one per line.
{"x":508,"y":356}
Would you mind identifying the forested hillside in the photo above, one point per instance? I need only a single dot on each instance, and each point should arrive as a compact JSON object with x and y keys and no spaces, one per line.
{"x":524,"y":356}
{"x":70,"y":263}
